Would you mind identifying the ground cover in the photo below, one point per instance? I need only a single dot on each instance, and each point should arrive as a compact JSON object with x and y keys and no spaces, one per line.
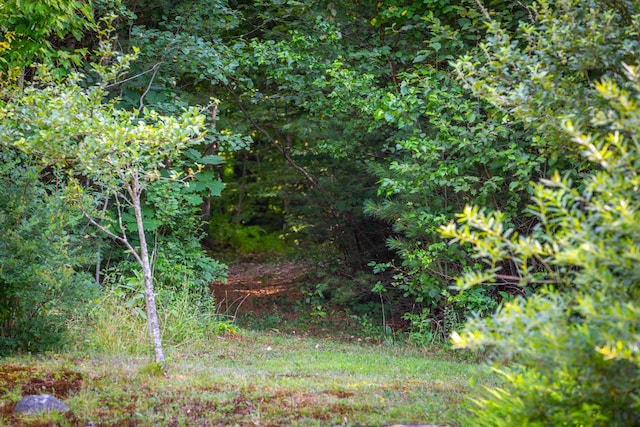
{"x":264,"y":379}
{"x":280,"y":368}
{"x":258,"y":287}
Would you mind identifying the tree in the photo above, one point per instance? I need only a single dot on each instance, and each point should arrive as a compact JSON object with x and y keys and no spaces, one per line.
{"x":42,"y":31}
{"x":541,"y":72}
{"x":111,"y":156}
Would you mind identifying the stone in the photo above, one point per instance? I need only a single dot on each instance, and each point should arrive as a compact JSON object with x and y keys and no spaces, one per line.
{"x":37,"y":403}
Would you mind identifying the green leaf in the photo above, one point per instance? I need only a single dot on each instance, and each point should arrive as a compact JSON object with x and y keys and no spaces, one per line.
{"x":193,"y":199}
{"x":215,"y":187}
{"x":210,"y":160}
{"x":209,"y":179}
{"x":420,"y":58}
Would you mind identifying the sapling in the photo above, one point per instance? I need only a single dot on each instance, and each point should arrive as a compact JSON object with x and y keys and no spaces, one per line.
{"x":111,"y":156}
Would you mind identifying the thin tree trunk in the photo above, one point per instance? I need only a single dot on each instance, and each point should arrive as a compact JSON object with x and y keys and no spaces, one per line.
{"x":243,"y":183}
{"x":149,"y":292}
{"x":209,"y":150}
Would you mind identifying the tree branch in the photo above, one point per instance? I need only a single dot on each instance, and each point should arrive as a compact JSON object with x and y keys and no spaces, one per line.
{"x":313,"y":182}
{"x":153,"y":76}
{"x":154,"y":69}
{"x":111,"y":234}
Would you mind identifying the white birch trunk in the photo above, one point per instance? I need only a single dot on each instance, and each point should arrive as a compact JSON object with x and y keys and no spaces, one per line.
{"x":145,"y":263}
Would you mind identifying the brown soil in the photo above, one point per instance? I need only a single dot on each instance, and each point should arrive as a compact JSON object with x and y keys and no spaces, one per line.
{"x":29,"y":380}
{"x":24,"y":380}
{"x":255,"y":288}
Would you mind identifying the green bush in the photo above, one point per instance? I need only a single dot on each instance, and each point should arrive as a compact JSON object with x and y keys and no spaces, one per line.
{"x":41,"y":258}
{"x":245,"y":240}
{"x":573,"y":347}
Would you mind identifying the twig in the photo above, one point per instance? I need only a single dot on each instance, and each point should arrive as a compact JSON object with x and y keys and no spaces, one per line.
{"x":153,"y":76}
{"x":154,"y":68}
{"x":111,"y":234}
{"x":235,"y":313}
{"x":514,"y":280}
{"x":484,"y":10}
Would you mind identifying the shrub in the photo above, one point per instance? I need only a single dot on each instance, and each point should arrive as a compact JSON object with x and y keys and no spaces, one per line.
{"x":573,"y":347}
{"x":41,"y":258}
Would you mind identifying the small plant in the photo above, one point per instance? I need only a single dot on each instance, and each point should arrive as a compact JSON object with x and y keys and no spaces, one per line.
{"x":153,"y":369}
{"x":421,"y":330}
{"x":315,"y":300}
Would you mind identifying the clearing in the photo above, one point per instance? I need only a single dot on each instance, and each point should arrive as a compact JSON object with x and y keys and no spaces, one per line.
{"x":249,"y":378}
{"x":256,"y":287}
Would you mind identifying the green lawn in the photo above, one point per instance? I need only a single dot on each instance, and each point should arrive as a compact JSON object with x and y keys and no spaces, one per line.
{"x":263,"y":379}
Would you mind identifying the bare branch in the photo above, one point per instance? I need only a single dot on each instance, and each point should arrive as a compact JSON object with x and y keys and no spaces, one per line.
{"x":118,"y":204}
{"x":310,"y":178}
{"x":153,"y":76}
{"x":515,"y":280}
{"x":111,"y":234}
{"x":154,"y":68}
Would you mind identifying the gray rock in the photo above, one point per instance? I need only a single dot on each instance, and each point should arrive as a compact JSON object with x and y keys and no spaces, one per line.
{"x":36,"y":403}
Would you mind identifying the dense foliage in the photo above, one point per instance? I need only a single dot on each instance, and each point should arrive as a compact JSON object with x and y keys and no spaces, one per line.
{"x":364,"y":141}
{"x":350,"y":132}
{"x":572,"y":345}
{"x":134,"y":176}
{"x":46,"y":32}
{"x":42,"y":258}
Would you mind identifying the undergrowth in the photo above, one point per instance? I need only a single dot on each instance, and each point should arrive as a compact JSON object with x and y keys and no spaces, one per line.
{"x":117,"y":323}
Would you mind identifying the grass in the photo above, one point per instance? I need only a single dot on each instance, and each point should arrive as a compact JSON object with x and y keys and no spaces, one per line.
{"x":247,"y":379}
{"x":283,"y":374}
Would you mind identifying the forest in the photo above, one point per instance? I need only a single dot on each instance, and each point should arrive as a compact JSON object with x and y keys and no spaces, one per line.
{"x":452,"y":176}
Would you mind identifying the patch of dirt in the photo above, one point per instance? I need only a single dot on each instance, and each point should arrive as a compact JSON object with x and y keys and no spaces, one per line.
{"x":29,"y":380}
{"x":26,"y":380}
{"x":256,"y":288}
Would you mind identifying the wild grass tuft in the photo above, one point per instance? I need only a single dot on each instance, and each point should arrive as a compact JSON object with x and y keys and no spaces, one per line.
{"x":117,"y":327}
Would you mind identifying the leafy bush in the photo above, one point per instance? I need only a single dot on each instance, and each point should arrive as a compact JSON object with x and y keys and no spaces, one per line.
{"x":42,"y":283}
{"x":531,"y":66}
{"x":541,"y":71}
{"x":445,"y":148}
{"x":573,"y":346}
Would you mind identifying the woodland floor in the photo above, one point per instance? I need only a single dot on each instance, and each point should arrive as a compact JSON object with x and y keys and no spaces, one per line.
{"x":270,"y":295}
{"x":259,"y":287}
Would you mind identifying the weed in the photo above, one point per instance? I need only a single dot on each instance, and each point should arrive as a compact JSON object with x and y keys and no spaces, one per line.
{"x":116,"y":327}
{"x":153,"y":369}
{"x":421,"y":331}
